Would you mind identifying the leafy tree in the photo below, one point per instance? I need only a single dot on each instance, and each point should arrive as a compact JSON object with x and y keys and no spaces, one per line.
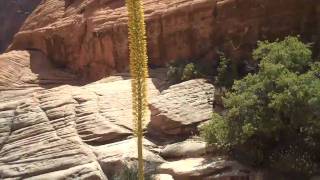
{"x":139,"y":72}
{"x":275,"y":110}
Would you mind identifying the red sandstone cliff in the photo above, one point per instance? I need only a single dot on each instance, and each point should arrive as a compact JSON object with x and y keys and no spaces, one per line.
{"x":90,"y":36}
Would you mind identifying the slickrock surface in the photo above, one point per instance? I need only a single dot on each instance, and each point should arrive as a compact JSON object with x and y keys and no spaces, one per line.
{"x":90,"y":171}
{"x":180,"y":108}
{"x":188,"y":148}
{"x":33,"y":144}
{"x":46,"y":132}
{"x":90,"y":36}
{"x":124,"y":153}
{"x":53,"y":129}
{"x":13,"y":13}
{"x":23,"y":72}
{"x":198,"y":168}
{"x":27,"y":69}
{"x":49,"y":130}
{"x":163,"y":177}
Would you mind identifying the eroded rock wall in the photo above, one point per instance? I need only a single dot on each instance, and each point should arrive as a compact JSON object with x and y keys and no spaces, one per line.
{"x":90,"y":37}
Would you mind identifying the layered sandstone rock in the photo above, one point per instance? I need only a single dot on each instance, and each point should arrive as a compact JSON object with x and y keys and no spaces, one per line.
{"x":32,"y":144}
{"x":189,"y":148}
{"x":179,"y":109}
{"x":27,"y":69}
{"x":24,"y":72}
{"x":123,"y":154}
{"x":199,"y":168}
{"x":46,"y":131}
{"x":13,"y":13}
{"x":69,"y":131}
{"x":90,"y":37}
{"x":163,"y":177}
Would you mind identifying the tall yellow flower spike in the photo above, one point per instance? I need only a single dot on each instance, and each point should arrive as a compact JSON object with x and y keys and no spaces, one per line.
{"x":139,"y":72}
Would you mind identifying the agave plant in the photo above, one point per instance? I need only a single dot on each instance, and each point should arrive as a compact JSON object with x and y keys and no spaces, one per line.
{"x":139,"y":72}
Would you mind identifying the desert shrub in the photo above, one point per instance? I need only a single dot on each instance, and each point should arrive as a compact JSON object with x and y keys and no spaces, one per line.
{"x":222,"y":70}
{"x":189,"y":72}
{"x":216,"y":131}
{"x":276,"y":108}
{"x":223,"y":75}
{"x":228,"y":71}
{"x":291,"y":53}
{"x":182,"y":71}
{"x":130,"y":173}
{"x":175,"y":70}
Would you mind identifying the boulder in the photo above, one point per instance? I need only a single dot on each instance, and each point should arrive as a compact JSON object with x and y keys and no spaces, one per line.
{"x":199,"y":168}
{"x":233,"y":175}
{"x":179,"y":109}
{"x":32,"y":144}
{"x":114,"y":157}
{"x":189,"y":148}
{"x":163,"y":177}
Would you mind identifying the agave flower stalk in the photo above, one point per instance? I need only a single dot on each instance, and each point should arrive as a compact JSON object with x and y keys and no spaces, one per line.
{"x":139,"y":72}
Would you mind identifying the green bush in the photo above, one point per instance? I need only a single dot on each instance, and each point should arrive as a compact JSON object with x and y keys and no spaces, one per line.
{"x":277,"y":108}
{"x":130,"y":173}
{"x":174,"y":73}
{"x":216,"y":132}
{"x":189,"y":72}
{"x":226,"y":72}
{"x":222,"y":70}
{"x":182,"y":71}
{"x":293,"y":54}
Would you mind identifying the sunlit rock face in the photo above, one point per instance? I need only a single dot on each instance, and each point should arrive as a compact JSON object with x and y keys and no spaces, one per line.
{"x":12,"y":15}
{"x":180,"y":108}
{"x":50,"y":126}
{"x":90,"y":37}
{"x":53,"y":127}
